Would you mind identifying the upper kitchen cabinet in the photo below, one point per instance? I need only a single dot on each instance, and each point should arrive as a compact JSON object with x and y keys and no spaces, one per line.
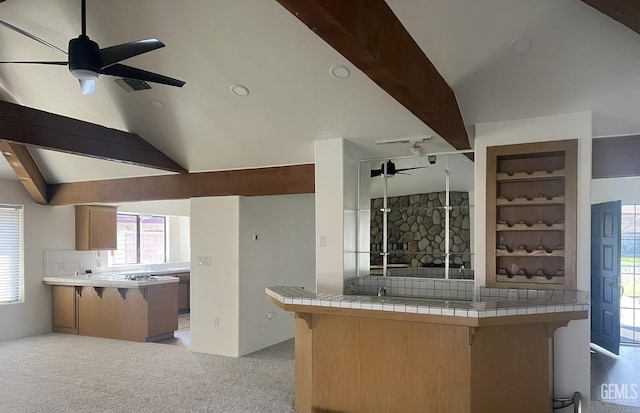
{"x":531,"y":215}
{"x":96,"y":227}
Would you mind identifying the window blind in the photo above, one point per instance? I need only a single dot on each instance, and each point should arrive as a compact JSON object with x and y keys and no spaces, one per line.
{"x":11,"y":252}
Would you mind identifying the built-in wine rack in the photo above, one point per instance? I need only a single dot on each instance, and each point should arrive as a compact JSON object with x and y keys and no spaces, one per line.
{"x":531,"y":215}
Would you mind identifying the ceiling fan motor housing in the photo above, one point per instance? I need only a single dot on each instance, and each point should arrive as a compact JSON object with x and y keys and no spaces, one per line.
{"x":84,"y":58}
{"x":391,"y":168}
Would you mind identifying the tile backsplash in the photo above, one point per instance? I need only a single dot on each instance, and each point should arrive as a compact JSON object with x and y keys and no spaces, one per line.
{"x":427,"y":272}
{"x":411,"y":287}
{"x":67,"y":262}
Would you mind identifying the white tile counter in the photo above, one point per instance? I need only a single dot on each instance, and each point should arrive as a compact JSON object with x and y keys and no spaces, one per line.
{"x":481,"y":348}
{"x":108,"y":280}
{"x":488,"y":303}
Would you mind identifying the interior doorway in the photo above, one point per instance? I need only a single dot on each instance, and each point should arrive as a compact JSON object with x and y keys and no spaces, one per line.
{"x":182,"y":336}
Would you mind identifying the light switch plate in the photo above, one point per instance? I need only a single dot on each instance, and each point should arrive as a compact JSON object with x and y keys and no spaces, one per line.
{"x":204,"y":261}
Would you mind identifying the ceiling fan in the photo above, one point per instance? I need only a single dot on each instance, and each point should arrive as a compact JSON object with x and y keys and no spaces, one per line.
{"x":87,"y":61}
{"x":392,"y":170}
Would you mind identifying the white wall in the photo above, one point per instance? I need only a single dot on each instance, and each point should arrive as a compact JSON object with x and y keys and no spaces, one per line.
{"x":232,"y":288}
{"x":626,"y":190}
{"x":179,"y":243}
{"x":215,"y":289}
{"x":44,"y":228}
{"x":176,"y":207}
{"x":283,"y":255}
{"x":336,"y":204}
{"x":572,"y":360}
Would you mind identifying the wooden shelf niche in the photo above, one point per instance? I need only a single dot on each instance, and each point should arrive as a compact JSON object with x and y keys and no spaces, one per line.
{"x":531,"y":215}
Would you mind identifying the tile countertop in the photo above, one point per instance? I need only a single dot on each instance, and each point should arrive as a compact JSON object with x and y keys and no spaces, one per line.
{"x":115,"y":280}
{"x":546,"y":301}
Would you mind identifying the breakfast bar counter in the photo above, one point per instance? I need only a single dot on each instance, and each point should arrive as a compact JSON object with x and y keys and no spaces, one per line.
{"x":122,"y":306}
{"x":399,"y":354}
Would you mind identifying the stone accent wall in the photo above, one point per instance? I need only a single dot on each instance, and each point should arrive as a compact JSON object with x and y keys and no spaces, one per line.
{"x":415,"y":226}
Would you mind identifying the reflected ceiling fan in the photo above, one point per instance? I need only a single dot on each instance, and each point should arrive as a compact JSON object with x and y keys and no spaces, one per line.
{"x":87,"y":61}
{"x":392,"y":170}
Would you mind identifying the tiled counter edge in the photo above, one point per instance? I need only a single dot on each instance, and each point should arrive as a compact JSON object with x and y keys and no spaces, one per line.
{"x":489,"y":303}
{"x":97,"y":281}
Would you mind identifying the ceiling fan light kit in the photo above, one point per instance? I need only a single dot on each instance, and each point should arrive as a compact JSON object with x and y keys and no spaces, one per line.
{"x":87,"y":61}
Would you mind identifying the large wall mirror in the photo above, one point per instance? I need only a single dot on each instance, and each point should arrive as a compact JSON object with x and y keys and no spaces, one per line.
{"x":416,"y":216}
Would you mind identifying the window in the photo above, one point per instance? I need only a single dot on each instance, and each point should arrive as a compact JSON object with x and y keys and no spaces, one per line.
{"x":11,"y":251}
{"x":630,"y":275}
{"x":141,"y":239}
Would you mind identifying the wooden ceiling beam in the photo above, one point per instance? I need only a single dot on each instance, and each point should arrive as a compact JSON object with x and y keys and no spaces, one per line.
{"x":26,"y":170}
{"x":370,"y":36}
{"x":39,"y":129}
{"x":626,"y":12}
{"x":281,"y":180}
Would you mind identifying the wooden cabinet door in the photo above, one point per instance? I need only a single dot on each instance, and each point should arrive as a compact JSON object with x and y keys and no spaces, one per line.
{"x":96,"y":227}
{"x":102,"y":228}
{"x":65,"y":309}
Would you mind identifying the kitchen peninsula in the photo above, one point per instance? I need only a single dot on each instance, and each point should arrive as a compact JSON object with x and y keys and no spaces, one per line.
{"x":135,"y":307}
{"x":367,"y":353}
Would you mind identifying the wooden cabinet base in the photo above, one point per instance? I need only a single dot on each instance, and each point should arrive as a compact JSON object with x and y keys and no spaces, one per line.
{"x":183,"y":291}
{"x":135,"y":314}
{"x":362,"y":364}
{"x":65,"y":309}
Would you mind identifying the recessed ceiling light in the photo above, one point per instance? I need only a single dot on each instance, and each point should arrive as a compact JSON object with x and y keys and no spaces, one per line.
{"x":158,"y":104}
{"x":239,"y":90}
{"x":520,"y":46}
{"x":340,"y":71}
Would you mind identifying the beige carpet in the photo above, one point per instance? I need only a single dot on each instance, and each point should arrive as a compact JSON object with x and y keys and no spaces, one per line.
{"x":67,"y":373}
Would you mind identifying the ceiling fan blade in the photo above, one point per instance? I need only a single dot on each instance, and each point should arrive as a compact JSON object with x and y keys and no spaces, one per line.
{"x":87,"y":86}
{"x":40,"y":63}
{"x":409,"y":169}
{"x":115,"y":54}
{"x":31,"y":36}
{"x":121,"y":70}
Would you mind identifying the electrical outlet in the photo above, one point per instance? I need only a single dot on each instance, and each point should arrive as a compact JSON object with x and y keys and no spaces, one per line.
{"x":204,"y":261}
{"x":216,"y":322}
{"x":255,"y":237}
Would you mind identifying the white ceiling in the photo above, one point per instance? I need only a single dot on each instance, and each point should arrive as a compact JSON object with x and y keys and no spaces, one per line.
{"x":579,"y":60}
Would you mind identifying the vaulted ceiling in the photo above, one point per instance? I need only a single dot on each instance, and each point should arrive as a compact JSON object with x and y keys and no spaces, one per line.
{"x":580,"y":59}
